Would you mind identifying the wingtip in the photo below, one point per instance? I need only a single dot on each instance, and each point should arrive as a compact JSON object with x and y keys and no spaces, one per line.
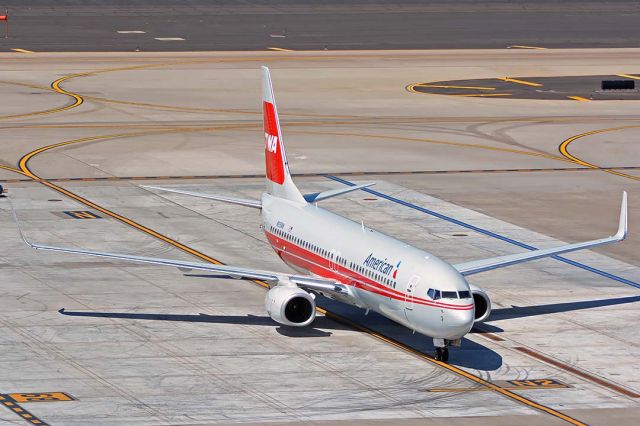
{"x":18,"y":226}
{"x":622,"y":226}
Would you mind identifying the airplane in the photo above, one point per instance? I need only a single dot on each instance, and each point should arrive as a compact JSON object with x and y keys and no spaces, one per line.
{"x":349,"y":262}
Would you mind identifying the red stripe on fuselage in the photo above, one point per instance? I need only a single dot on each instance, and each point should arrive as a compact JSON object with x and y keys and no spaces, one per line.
{"x":318,"y":265}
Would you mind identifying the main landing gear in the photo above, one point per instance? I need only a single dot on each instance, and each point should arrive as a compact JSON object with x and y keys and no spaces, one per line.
{"x":442,"y":354}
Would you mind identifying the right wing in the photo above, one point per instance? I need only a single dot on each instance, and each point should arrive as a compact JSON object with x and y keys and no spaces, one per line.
{"x":482,"y":265}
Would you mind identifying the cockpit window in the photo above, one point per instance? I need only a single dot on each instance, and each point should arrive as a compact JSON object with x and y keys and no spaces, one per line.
{"x":464,"y":294}
{"x":433,"y":294}
{"x":449,"y":295}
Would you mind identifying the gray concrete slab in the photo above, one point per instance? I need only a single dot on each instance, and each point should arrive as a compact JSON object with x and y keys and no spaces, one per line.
{"x":142,"y":344}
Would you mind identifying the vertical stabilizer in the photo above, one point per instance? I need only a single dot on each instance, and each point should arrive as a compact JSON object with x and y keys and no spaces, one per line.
{"x":279,"y":183}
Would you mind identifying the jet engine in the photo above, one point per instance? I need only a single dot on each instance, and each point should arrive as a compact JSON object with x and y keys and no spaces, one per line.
{"x":482,"y":303}
{"x":289,"y":305}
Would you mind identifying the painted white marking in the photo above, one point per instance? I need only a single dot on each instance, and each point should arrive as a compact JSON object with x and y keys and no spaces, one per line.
{"x":132,"y":32}
{"x":277,"y":35}
{"x":271,"y":142}
{"x":169,"y":38}
{"x":279,"y":49}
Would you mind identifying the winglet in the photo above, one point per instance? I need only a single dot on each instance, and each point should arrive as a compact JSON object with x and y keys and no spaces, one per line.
{"x":622,"y":226}
{"x":15,"y":219}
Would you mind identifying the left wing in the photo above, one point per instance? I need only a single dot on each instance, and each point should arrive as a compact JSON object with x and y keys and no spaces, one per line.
{"x":476,"y":266}
{"x":321,"y":285}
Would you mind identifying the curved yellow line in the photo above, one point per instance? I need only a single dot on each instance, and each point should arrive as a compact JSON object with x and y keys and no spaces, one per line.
{"x":564,"y":150}
{"x":12,"y":169}
{"x":23,"y":163}
{"x":55,"y":86}
{"x":438,"y":142}
{"x":25,"y":170}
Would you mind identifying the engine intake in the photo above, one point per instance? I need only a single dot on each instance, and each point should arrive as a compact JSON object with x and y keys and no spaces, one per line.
{"x":482,"y":303}
{"x":290,"y":306}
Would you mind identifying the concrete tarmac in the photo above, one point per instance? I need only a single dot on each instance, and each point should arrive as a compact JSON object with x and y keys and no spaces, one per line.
{"x":138,"y":344}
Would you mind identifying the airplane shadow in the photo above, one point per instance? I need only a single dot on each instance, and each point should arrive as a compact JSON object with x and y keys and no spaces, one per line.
{"x":554,"y":308}
{"x":470,"y":354}
{"x":319,"y":323}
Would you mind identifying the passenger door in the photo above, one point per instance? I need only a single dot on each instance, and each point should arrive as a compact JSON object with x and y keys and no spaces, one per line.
{"x":333,"y":258}
{"x":409,"y":292}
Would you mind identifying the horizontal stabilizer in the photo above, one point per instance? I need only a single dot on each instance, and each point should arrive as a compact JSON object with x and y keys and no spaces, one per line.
{"x":240,"y":201}
{"x":319,"y":196}
{"x":477,"y":266}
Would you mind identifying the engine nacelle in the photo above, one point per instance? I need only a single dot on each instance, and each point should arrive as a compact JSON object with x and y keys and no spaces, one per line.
{"x":289,"y":305}
{"x":482,"y":303}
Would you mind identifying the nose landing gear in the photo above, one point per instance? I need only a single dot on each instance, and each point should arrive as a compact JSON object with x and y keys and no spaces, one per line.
{"x":442,"y":348}
{"x":442,"y":354}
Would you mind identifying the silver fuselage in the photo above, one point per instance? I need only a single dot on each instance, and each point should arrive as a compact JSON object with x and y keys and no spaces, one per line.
{"x":386,"y":275}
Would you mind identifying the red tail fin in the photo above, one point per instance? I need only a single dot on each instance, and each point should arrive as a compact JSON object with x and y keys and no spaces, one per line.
{"x":279,"y":181}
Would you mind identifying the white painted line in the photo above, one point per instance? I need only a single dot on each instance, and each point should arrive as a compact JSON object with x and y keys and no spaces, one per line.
{"x":277,"y":35}
{"x":279,"y":49}
{"x":132,"y":32}
{"x":169,"y":38}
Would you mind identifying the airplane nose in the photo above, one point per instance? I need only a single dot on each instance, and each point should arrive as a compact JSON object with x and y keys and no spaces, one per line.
{"x":458,"y":323}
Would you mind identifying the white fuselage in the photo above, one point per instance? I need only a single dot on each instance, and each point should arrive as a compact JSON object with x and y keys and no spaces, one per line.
{"x":386,"y":275}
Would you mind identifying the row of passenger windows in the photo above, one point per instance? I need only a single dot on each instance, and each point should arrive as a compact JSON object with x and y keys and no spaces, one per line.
{"x":338,"y":259}
{"x":437,"y":294}
{"x":373,"y":275}
{"x":299,"y":241}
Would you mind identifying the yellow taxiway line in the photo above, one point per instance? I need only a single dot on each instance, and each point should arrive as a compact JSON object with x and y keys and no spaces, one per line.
{"x":443,"y":86}
{"x":23,"y":51}
{"x":564,"y":150}
{"x":635,"y":77}
{"x":526,"y":83}
{"x":24,"y":168}
{"x":526,"y":47}
{"x":579,"y":98}
{"x":481,"y":95}
{"x":518,"y":388}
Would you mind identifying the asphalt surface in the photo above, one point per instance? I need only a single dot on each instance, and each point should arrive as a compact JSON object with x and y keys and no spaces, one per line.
{"x":192,"y":25}
{"x":557,"y":88}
